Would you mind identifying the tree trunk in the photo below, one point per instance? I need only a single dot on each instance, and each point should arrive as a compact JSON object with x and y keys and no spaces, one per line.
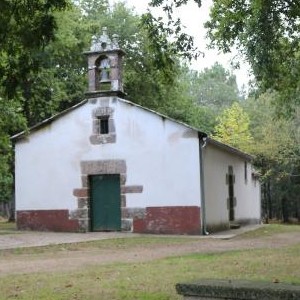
{"x":266,"y":211}
{"x":298,"y":209}
{"x":285,"y":212}
{"x":269,"y":200}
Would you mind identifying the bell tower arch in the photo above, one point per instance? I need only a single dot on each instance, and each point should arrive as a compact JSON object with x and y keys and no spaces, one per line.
{"x":105,"y":66}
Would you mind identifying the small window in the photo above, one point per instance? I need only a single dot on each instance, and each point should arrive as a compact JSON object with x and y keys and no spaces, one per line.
{"x":103,"y":127}
{"x":246,"y":171}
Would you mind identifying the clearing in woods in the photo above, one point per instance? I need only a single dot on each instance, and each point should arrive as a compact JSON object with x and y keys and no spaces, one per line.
{"x":145,"y":266}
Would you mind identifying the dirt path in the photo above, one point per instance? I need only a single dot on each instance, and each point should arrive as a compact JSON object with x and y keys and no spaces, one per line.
{"x":72,"y":260}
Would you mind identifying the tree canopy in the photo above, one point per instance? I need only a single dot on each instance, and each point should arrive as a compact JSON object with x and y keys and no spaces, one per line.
{"x":266,"y":33}
{"x":233,"y":128}
{"x":276,"y":150}
{"x":167,"y":37}
{"x":26,"y":27}
{"x":215,"y":87}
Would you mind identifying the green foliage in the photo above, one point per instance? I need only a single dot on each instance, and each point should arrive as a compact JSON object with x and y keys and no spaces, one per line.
{"x":277,"y":154}
{"x":267,"y":33}
{"x":167,"y":3}
{"x":214,"y":87}
{"x":10,"y":121}
{"x":276,"y":139}
{"x":198,"y":97}
{"x":233,"y":128}
{"x":167,"y":39}
{"x":91,"y":8}
{"x":60,"y":80}
{"x":26,"y":27}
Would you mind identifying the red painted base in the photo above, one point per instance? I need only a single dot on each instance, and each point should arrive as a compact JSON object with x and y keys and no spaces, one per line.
{"x":46,"y":220}
{"x":169,"y":220}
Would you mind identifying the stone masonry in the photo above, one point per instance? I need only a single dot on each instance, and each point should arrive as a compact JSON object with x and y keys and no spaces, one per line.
{"x":101,"y":167}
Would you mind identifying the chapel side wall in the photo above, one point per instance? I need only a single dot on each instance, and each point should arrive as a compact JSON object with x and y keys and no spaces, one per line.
{"x":247,"y":192}
{"x":158,"y":161}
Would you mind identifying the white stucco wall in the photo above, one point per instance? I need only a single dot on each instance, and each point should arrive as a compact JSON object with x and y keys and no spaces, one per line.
{"x":247,"y":193}
{"x":161,"y":155}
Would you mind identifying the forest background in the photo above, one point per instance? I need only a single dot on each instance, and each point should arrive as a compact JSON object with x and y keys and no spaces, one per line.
{"x":43,"y":71}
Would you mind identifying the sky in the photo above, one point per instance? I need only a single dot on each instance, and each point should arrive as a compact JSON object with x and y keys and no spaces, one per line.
{"x":193,"y":18}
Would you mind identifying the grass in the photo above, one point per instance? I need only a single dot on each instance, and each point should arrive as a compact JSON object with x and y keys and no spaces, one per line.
{"x":7,"y":227}
{"x":269,"y":230}
{"x":107,"y":244}
{"x":154,"y":280}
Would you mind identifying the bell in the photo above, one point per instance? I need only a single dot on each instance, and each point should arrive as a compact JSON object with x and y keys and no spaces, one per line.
{"x":104,"y":76}
{"x":104,"y":70}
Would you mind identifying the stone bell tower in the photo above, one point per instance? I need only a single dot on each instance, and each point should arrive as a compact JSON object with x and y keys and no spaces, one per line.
{"x":105,"y":66}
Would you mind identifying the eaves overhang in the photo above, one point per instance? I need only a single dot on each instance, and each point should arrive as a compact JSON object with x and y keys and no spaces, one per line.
{"x":230,"y":149}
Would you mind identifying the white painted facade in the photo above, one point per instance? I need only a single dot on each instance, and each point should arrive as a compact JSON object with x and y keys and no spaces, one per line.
{"x":246,"y":188}
{"x":160,"y":154}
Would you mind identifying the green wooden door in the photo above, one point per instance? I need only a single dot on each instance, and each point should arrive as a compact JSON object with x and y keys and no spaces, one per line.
{"x":105,"y":203}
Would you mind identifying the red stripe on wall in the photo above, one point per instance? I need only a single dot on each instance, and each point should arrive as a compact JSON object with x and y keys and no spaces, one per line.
{"x":169,"y":220}
{"x":46,"y":220}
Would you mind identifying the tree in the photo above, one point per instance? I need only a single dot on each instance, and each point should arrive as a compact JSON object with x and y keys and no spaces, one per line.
{"x":60,"y":81}
{"x":205,"y":95}
{"x":91,"y":8}
{"x":276,"y":150}
{"x":214,"y":87}
{"x":267,"y":33}
{"x":25,"y":28}
{"x":233,"y":128}
{"x":167,"y":38}
{"x":10,"y":121}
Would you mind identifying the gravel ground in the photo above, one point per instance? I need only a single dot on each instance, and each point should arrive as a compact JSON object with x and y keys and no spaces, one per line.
{"x":21,"y":239}
{"x":73,"y":260}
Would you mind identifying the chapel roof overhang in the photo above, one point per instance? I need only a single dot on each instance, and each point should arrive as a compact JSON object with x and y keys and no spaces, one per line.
{"x":230,"y":149}
{"x":24,"y":134}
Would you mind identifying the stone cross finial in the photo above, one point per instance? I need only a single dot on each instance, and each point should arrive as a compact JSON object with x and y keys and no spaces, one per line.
{"x":104,"y":43}
{"x":115,"y":41}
